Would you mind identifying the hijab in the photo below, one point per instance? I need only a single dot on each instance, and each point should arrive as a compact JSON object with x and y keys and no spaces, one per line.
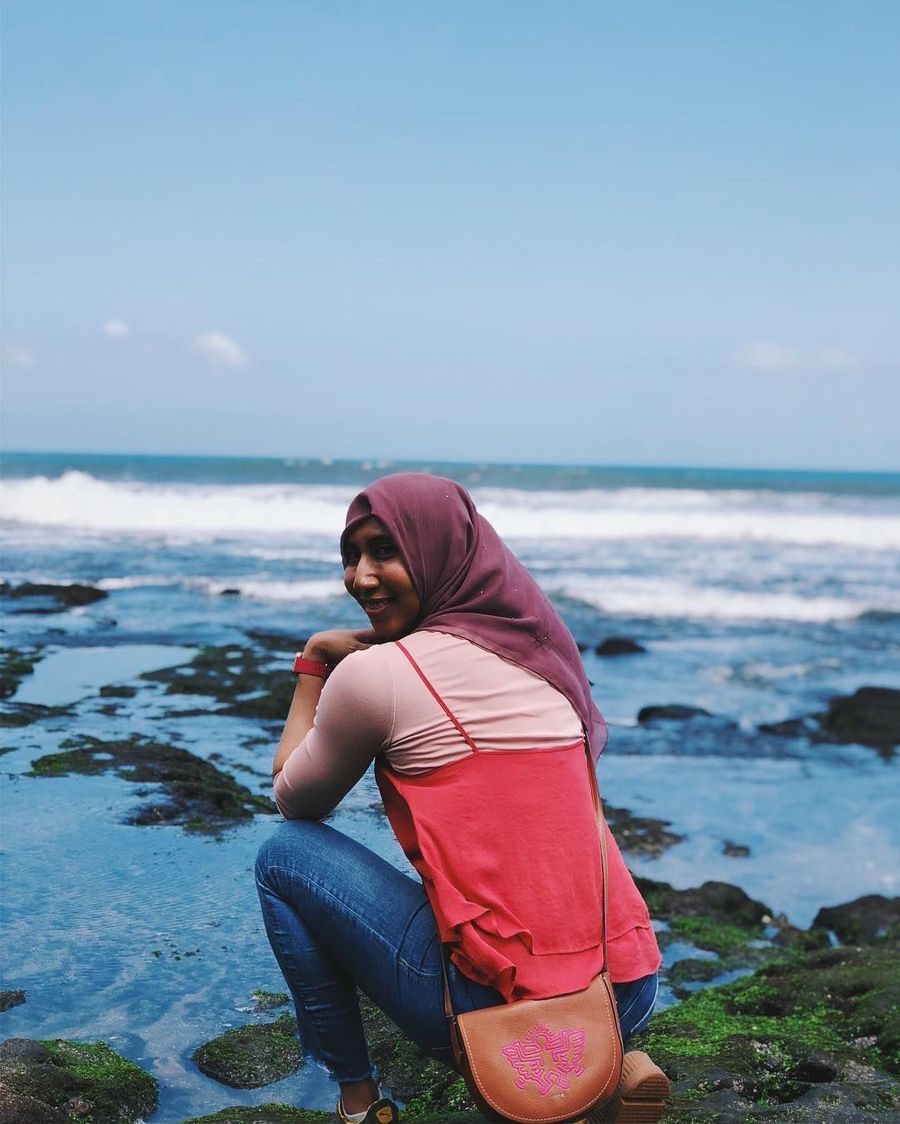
{"x":472,"y":586}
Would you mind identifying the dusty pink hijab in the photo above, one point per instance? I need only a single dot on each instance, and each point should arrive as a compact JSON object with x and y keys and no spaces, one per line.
{"x":471,"y":585}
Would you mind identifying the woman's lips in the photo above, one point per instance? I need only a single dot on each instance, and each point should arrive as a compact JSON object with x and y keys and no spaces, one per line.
{"x":375,"y":605}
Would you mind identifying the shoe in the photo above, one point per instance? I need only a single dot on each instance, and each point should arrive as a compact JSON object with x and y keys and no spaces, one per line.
{"x":641,"y":1097}
{"x":381,"y":1112}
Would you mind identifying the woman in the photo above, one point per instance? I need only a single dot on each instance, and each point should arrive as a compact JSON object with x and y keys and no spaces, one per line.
{"x":469,"y":693}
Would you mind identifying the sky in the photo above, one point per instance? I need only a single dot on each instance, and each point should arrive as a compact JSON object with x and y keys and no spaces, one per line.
{"x":596,"y":232}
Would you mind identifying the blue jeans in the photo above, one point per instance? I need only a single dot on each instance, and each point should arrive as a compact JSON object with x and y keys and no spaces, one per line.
{"x":337,"y":917}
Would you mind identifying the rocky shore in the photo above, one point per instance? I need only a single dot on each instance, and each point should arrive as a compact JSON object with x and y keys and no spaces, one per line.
{"x":773,"y":1021}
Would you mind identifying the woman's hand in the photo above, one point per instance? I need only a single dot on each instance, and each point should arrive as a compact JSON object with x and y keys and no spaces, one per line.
{"x":334,"y":644}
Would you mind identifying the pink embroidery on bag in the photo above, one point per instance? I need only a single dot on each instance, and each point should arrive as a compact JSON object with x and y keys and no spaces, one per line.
{"x":546,"y":1058}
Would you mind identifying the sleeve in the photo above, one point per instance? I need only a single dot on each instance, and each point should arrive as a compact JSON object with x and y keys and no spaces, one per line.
{"x":353,"y":722}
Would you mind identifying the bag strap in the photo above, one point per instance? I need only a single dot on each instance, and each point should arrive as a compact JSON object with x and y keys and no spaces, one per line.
{"x":598,"y":810}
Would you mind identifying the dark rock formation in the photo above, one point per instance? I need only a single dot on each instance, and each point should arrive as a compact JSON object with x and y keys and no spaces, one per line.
{"x":249,"y":1056}
{"x":870,"y":716}
{"x":34,"y":597}
{"x":200,"y":796}
{"x":58,"y":1081}
{"x":619,"y":646}
{"x":863,"y":921}
{"x":640,"y":835}
{"x":8,"y":1000}
{"x":671,"y":712}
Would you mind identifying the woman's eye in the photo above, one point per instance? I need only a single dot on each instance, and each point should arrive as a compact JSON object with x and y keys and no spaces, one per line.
{"x":385,"y":550}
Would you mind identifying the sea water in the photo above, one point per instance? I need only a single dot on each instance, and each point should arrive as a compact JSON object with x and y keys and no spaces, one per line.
{"x":758,"y":596}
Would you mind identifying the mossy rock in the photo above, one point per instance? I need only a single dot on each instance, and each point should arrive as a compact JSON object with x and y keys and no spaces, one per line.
{"x":249,"y":1056}
{"x":640,"y":835}
{"x":269,"y":1000}
{"x":429,"y":1088}
{"x":239,"y":677}
{"x":262,"y":1114}
{"x":15,"y":665}
{"x":61,"y":1080}
{"x":806,"y":1035}
{"x":200,"y":796}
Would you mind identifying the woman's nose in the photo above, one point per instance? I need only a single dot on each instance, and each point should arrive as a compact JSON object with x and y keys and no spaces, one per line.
{"x":364,"y":578}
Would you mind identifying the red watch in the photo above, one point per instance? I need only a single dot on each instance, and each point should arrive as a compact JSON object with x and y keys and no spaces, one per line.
{"x":303,"y":666}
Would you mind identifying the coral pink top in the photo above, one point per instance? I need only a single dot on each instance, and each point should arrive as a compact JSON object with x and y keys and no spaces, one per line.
{"x":495,"y":813}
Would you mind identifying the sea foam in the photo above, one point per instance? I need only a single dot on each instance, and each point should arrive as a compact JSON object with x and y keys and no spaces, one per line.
{"x":80,"y":501}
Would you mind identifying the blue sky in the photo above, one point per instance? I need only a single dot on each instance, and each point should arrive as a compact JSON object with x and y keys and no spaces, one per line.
{"x":650,"y":233}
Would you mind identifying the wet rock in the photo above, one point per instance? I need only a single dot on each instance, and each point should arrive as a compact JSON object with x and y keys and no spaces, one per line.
{"x":791,"y":728}
{"x":249,"y":1056}
{"x":672,"y":712}
{"x":619,"y":646}
{"x":713,"y":902}
{"x":639,"y":835}
{"x":115,"y":691}
{"x":24,"y":1050}
{"x":9,"y":999}
{"x":200,"y":796}
{"x":863,"y":921}
{"x":17,"y":714}
{"x":870,"y":717}
{"x":62,"y":1081}
{"x":809,"y":1038}
{"x":269,"y":1000}
{"x":735,"y":850}
{"x":241,"y":678}
{"x":230,"y":592}
{"x":15,"y":665}
{"x":431,"y":1090}
{"x":41,"y":597}
{"x":262,"y":1114}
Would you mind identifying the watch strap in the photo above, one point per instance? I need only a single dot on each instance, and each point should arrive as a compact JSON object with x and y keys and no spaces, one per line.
{"x":303,"y":666}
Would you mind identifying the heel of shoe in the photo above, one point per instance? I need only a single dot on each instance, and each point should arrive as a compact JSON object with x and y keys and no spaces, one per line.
{"x":643,"y":1092}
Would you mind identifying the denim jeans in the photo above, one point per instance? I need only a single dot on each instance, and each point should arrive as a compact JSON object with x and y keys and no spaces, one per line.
{"x":337,"y":917}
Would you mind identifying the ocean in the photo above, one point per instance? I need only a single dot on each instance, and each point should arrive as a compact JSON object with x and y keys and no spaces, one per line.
{"x":756,"y":596}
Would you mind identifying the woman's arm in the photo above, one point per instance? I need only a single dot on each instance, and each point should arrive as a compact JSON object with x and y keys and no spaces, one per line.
{"x":325,"y":647}
{"x":333,"y":731}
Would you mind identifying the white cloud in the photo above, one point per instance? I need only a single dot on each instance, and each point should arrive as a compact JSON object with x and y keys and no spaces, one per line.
{"x":777,"y":359}
{"x":20,"y":357}
{"x":220,"y":350}
{"x":115,"y":329}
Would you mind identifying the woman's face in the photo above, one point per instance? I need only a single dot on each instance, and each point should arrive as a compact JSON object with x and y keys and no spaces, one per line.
{"x":375,"y":575}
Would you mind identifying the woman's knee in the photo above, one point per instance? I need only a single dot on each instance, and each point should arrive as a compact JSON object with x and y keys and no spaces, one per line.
{"x":289,"y":847}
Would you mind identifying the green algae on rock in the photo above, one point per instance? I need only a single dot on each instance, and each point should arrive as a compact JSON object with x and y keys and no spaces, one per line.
{"x":430,"y":1089}
{"x":58,"y":1080}
{"x":796,"y":1040}
{"x":262,"y":1114}
{"x":239,"y":677}
{"x":269,"y":1000}
{"x":201,"y":797}
{"x":249,"y":1056}
{"x":15,"y":665}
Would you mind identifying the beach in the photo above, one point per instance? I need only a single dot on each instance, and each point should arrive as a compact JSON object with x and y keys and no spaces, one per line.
{"x":749,"y":600}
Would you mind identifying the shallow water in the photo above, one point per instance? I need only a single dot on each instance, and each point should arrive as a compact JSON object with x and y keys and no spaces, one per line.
{"x":758,"y":603}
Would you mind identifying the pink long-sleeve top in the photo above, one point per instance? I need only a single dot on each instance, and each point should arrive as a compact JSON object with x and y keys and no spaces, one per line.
{"x":375,"y":705}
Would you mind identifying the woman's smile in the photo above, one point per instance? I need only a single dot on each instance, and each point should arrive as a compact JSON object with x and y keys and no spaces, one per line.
{"x":375,"y":575}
